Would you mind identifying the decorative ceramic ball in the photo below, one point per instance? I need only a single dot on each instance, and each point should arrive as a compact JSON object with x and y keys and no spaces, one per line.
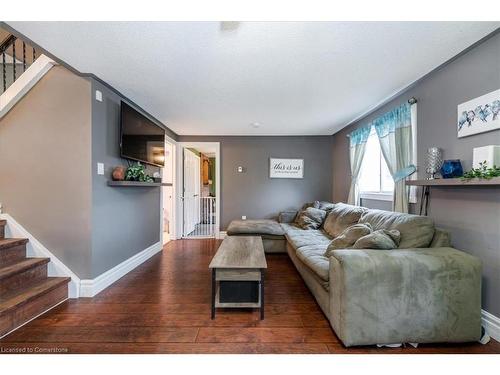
{"x":119,"y":173}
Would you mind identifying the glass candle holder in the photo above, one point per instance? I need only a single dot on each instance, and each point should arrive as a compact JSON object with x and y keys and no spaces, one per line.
{"x":434,"y":162}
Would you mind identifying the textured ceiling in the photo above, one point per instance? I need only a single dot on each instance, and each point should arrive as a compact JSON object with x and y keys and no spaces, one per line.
{"x":293,"y":78}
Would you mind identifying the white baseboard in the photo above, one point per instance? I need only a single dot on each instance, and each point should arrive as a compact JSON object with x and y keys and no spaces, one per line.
{"x":491,"y":324}
{"x":91,"y":287}
{"x":222,"y":235}
{"x":34,"y":248}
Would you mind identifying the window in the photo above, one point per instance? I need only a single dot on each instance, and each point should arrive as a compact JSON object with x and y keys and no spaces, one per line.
{"x":375,"y":180}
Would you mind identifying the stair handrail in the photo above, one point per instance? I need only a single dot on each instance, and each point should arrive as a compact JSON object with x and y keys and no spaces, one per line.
{"x":7,"y":42}
{"x":10,"y":41}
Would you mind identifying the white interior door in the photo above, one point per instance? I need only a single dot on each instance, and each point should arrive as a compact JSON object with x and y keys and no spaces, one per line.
{"x":191,"y":191}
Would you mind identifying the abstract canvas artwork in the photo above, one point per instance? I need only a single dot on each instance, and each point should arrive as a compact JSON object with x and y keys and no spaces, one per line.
{"x":479,"y":115}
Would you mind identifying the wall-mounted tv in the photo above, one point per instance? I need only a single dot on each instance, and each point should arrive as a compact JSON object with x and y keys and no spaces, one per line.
{"x":141,"y":139}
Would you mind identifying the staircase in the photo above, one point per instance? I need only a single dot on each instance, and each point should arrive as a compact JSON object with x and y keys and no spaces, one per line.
{"x":21,"y":67}
{"x":25,"y":289}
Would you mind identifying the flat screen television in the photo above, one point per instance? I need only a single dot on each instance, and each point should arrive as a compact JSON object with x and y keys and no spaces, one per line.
{"x":140,"y":138}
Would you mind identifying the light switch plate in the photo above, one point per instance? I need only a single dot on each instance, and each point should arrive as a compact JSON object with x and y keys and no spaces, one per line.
{"x":98,"y":95}
{"x":100,"y":168}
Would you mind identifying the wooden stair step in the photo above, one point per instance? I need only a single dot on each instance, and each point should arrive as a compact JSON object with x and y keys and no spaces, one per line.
{"x":21,"y":266}
{"x":3,"y":223}
{"x":22,"y":305}
{"x":19,"y":298}
{"x":12,"y":250}
{"x":6,"y":243}
{"x":21,"y":274}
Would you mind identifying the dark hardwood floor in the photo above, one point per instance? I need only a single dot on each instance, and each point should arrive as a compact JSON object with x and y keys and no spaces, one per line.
{"x":163,"y":306}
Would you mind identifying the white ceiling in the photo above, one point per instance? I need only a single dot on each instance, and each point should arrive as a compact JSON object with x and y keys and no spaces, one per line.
{"x":294,"y":78}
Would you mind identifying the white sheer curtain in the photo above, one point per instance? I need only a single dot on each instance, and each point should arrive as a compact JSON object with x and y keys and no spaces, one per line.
{"x":395,"y":136}
{"x":357,"y":146}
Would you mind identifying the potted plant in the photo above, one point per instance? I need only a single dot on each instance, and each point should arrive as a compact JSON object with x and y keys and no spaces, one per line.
{"x":137,"y":172}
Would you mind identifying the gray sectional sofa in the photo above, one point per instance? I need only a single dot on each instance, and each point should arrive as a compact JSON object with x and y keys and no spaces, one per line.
{"x":422,"y":292}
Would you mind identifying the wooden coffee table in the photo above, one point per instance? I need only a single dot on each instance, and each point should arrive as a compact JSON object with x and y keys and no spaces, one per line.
{"x":238,"y":274}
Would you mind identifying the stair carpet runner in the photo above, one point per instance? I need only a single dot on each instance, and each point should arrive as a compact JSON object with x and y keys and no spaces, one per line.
{"x":26,"y":291}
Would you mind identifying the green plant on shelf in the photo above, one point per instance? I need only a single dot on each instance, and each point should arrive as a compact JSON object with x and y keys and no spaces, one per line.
{"x":482,"y":172}
{"x":137,"y":172}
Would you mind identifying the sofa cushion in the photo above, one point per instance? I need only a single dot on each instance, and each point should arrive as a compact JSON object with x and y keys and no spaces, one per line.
{"x":287,"y":216}
{"x":314,"y":204}
{"x":270,"y":229}
{"x":298,"y":237}
{"x":326,"y":206}
{"x":348,"y":237}
{"x":381,"y":239}
{"x":311,"y":218}
{"x":312,"y":256}
{"x":340,"y":217}
{"x":416,"y":231}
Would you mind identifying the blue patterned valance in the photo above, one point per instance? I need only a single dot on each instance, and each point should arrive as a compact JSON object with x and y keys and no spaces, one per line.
{"x":359,"y":136}
{"x":399,"y":117}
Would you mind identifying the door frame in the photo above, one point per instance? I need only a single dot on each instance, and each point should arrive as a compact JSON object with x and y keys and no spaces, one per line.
{"x":179,"y":180}
{"x":174,"y":218}
{"x":191,"y":214}
{"x":171,"y":229}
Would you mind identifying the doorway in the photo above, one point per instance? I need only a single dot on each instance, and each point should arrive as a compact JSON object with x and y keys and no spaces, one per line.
{"x":199,"y":172}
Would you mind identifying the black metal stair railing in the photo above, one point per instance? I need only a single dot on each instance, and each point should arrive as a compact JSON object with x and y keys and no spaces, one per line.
{"x":10,"y":70}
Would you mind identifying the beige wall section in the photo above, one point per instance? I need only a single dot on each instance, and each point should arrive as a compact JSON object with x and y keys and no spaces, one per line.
{"x":45,"y":166}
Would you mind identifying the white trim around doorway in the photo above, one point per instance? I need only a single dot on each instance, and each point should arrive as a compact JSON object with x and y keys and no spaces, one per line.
{"x":174,"y":192}
{"x":179,"y":177}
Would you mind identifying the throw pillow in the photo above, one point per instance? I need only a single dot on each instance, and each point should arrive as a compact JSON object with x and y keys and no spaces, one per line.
{"x":314,"y":204}
{"x":341,"y":217}
{"x":311,"y":218}
{"x":348,"y":237}
{"x":327,"y":206}
{"x":381,"y":239}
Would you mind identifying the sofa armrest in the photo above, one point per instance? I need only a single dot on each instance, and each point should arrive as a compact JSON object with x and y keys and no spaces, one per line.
{"x":287,"y":216}
{"x":405,"y":295}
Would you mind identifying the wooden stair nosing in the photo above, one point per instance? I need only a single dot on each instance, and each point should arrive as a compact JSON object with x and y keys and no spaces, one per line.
{"x":34,"y":291}
{"x":6,"y":243}
{"x":21,"y":266}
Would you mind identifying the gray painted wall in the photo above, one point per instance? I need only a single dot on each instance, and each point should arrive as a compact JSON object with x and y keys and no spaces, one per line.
{"x":471,"y":214}
{"x":125,"y":221}
{"x":253,"y":193}
{"x":45,"y":166}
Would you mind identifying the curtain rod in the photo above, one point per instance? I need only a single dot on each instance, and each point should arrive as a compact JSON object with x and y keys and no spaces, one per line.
{"x":411,"y":101}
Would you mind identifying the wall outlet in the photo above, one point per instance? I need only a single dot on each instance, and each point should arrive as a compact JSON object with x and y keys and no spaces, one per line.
{"x":243,"y":218}
{"x":98,"y":95}
{"x":100,"y":168}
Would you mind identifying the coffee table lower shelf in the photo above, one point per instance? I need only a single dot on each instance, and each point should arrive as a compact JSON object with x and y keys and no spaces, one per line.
{"x":238,"y":288}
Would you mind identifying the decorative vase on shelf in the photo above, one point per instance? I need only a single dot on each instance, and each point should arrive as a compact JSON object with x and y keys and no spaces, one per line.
{"x":434,"y":161}
{"x":452,"y":169}
{"x":119,"y":173}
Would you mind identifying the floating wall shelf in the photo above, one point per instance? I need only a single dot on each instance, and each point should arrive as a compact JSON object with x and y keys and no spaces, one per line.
{"x":455,"y":182}
{"x":137,"y":184}
{"x":448,"y":182}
